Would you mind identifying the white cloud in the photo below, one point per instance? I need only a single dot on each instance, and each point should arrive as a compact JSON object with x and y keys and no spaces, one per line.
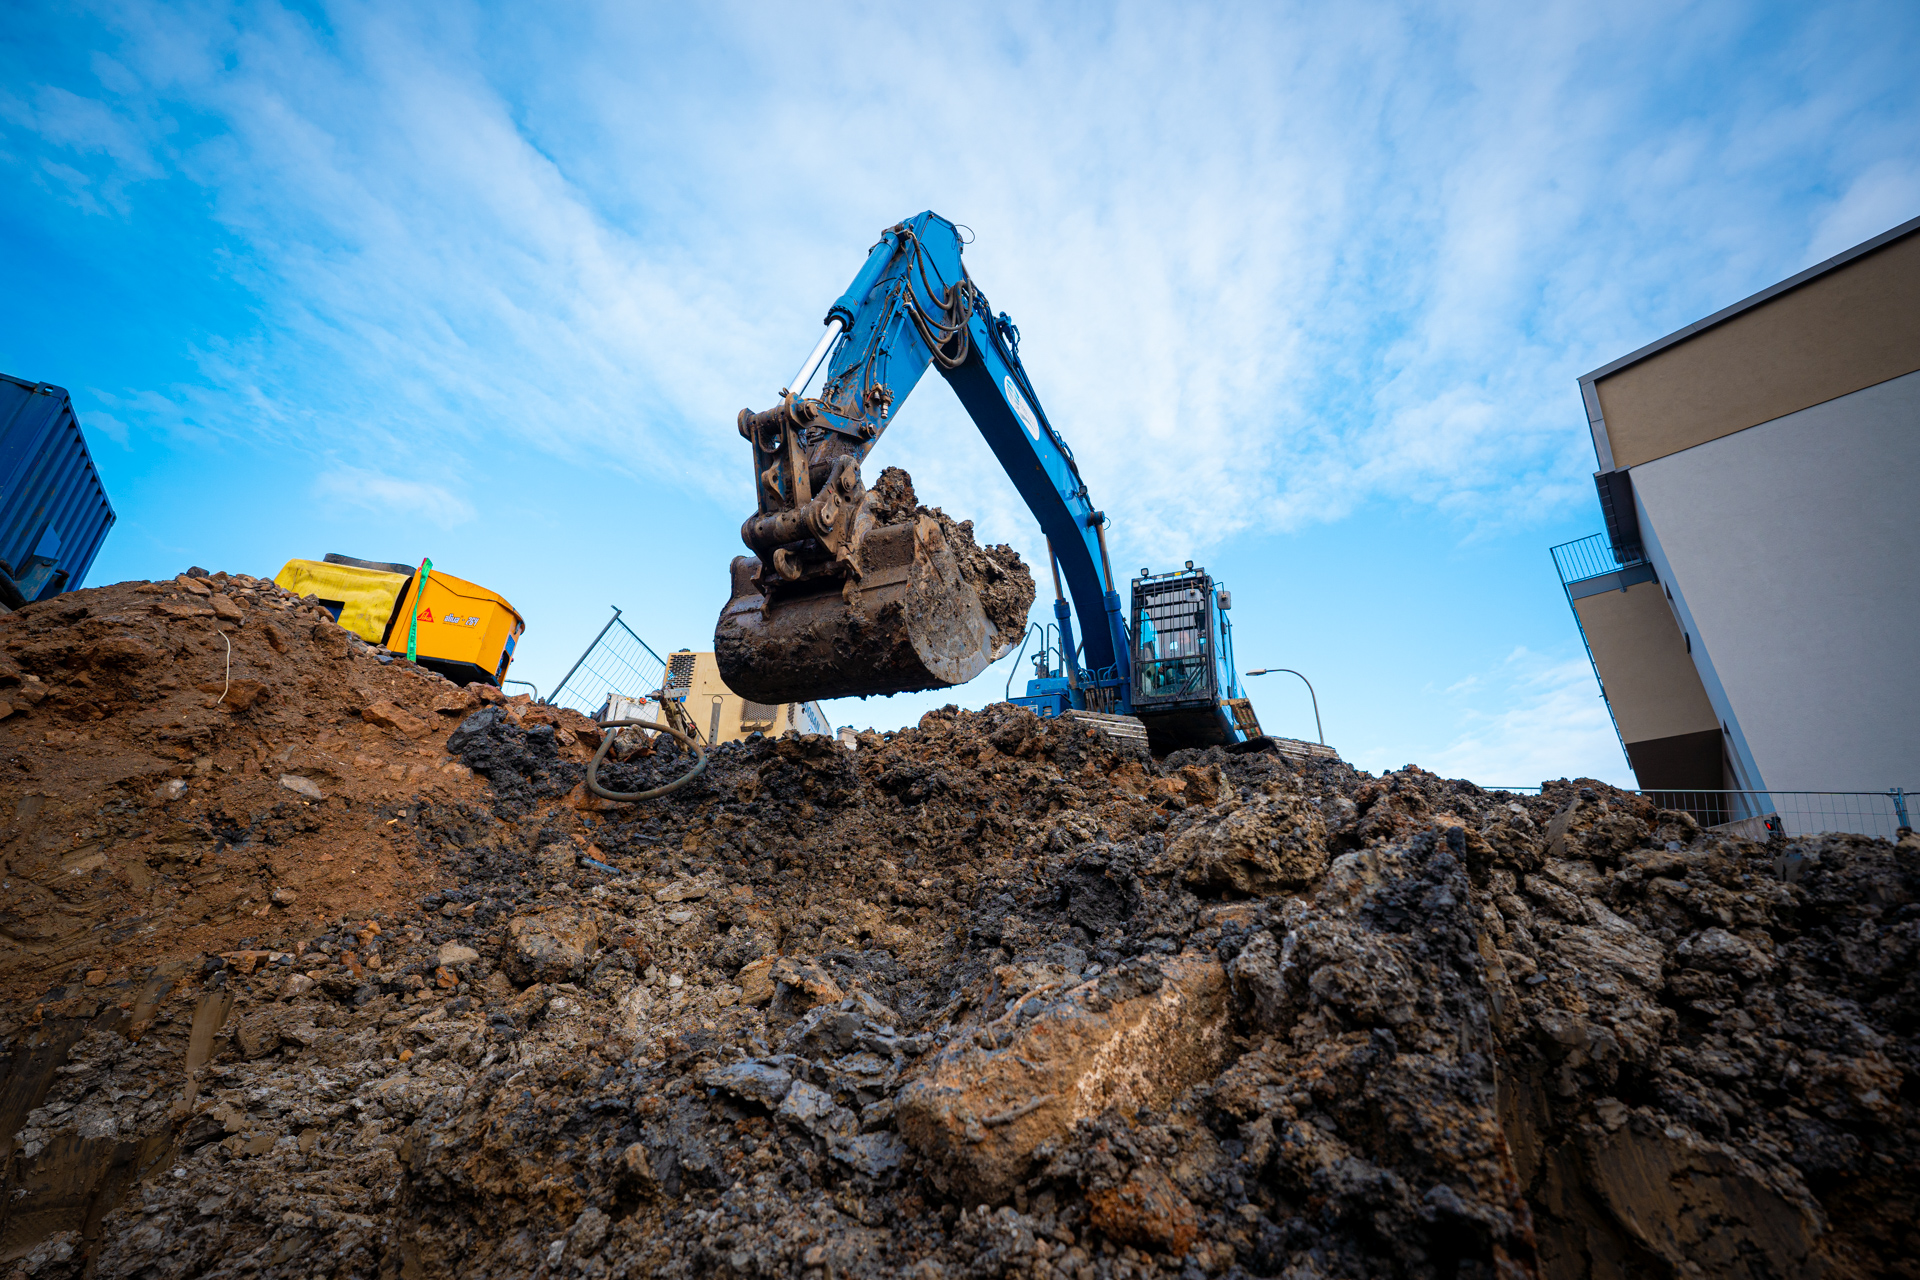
{"x":1531,"y":719}
{"x":392,"y":496}
{"x":86,"y":127}
{"x":1269,"y":264}
{"x":1883,"y":197}
{"x":101,"y":423}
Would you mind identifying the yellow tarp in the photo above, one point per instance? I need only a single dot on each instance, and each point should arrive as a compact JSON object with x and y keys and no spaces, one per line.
{"x":365,"y":596}
{"x":460,"y":621}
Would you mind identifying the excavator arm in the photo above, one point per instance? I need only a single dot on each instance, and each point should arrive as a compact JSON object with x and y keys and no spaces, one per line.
{"x":833,"y":602}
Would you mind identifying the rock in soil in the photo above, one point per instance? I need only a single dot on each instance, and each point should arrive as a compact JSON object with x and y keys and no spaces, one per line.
{"x":991,"y":996}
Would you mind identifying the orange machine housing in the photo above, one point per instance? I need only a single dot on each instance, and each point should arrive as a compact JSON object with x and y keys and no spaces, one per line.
{"x":465,"y":632}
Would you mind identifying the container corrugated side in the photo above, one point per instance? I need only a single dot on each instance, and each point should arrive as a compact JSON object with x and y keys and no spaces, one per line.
{"x":48,"y":486}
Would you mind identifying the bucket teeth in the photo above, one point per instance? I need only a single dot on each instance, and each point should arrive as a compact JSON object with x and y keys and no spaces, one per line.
{"x":910,"y":621}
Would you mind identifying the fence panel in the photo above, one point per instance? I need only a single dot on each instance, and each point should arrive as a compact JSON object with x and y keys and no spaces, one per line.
{"x":1757,"y":815}
{"x":618,"y":662}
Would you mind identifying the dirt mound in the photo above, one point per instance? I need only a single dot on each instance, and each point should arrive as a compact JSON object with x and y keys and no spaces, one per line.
{"x":196,"y":762}
{"x":989,"y":997}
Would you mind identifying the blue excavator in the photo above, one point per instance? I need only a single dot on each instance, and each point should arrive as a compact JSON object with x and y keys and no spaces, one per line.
{"x":847,"y":594}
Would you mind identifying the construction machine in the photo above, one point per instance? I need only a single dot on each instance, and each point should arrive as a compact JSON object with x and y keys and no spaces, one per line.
{"x":455,"y":627}
{"x":834,"y":601}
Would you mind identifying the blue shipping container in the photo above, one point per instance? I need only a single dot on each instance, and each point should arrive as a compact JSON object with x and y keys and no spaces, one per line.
{"x":54,"y":512}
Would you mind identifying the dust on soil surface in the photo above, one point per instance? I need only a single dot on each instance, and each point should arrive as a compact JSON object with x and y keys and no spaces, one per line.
{"x":989,"y":997}
{"x":996,"y":572}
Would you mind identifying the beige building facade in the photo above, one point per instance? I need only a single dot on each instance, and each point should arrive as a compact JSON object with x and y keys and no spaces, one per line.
{"x":721,"y":715}
{"x":1753,"y":609}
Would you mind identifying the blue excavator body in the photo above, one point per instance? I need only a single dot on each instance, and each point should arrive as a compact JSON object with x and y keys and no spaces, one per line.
{"x":832,"y":603}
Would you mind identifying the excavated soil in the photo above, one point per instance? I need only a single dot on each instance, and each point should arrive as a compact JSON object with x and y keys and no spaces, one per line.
{"x":346,"y":976}
{"x":936,"y":617}
{"x":996,"y":572}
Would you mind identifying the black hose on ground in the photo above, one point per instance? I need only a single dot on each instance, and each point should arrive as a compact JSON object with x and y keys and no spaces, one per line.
{"x":606,"y":741}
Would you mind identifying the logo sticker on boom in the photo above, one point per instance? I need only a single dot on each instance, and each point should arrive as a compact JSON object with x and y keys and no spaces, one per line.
{"x":1021,"y":409}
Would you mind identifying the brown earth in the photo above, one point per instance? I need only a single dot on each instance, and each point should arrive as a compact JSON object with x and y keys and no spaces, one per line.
{"x":996,"y":572}
{"x":931,"y":610}
{"x":988,"y":997}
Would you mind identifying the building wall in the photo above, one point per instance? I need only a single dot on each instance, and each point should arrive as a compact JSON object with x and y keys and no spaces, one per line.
{"x":722,"y":715}
{"x":1854,"y":327}
{"x":1743,"y":774}
{"x":1792,"y":552}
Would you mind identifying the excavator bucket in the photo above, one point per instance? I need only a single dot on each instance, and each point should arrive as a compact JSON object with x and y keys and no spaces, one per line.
{"x":910,"y":620}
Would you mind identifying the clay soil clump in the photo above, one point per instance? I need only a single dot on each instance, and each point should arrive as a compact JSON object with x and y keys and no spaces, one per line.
{"x":316,"y":965}
{"x":996,"y":572}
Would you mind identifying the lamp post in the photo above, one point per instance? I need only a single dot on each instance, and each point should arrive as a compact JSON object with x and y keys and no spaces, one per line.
{"x":1261,"y":671}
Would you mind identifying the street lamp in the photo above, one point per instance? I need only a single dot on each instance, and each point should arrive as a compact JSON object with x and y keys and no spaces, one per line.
{"x":1310,"y":693}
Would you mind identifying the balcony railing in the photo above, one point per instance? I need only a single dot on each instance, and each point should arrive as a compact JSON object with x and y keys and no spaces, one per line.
{"x":1589,"y":557}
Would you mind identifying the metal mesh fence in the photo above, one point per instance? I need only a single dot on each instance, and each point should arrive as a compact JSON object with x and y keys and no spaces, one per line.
{"x":617,"y":662}
{"x":1758,"y":814}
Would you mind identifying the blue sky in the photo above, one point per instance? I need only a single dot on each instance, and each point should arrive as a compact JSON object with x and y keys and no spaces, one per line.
{"x":1307,"y":288}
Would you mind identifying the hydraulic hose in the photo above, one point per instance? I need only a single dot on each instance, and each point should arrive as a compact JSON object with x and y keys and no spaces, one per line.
{"x":606,"y":741}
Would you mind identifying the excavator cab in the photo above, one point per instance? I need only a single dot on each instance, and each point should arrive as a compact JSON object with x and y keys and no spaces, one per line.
{"x":1185,"y":689}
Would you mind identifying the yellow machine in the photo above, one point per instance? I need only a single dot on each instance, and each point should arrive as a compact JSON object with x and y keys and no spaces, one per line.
{"x":718,"y":714}
{"x":463,"y":631}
